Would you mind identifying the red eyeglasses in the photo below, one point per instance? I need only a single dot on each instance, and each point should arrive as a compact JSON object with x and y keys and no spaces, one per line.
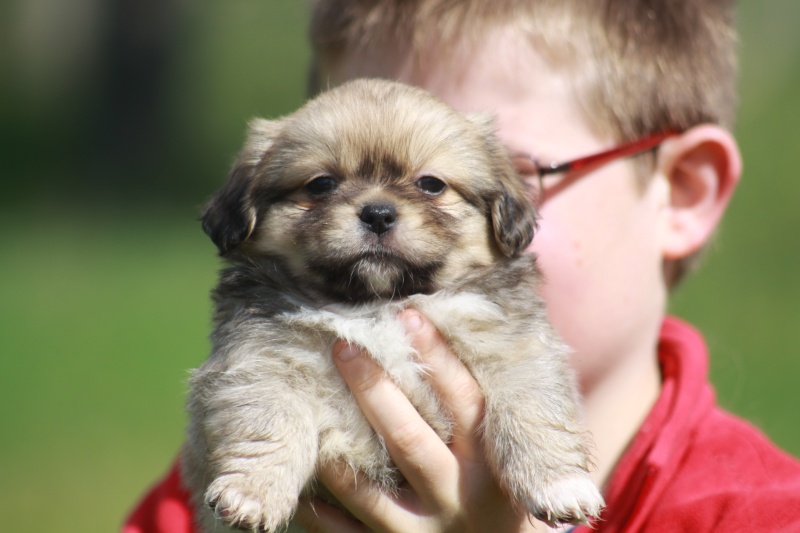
{"x":534,"y":172}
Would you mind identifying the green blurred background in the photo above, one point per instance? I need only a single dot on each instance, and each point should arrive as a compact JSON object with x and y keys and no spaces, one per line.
{"x":119,"y":118}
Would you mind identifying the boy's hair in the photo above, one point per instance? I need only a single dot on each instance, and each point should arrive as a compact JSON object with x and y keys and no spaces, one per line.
{"x":637,"y":66}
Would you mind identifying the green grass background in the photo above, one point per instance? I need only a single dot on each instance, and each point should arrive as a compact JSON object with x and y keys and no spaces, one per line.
{"x":105,"y":297}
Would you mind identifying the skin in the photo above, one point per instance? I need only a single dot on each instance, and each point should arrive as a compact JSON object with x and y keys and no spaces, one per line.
{"x":601,"y":244}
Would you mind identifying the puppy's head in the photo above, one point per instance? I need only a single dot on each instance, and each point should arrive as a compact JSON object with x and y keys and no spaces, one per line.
{"x":372,"y":190}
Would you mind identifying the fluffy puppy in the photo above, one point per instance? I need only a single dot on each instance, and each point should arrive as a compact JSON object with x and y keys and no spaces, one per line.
{"x":372,"y":198}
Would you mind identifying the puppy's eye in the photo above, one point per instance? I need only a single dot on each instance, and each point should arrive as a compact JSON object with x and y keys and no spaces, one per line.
{"x":321,"y":185}
{"x":431,"y":185}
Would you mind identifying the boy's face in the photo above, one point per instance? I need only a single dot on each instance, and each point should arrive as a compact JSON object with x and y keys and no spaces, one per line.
{"x":599,"y":235}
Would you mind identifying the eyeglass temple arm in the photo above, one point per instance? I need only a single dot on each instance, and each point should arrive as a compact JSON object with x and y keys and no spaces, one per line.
{"x":596,"y":160}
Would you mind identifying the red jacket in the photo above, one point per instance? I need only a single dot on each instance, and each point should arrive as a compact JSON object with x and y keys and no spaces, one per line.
{"x":690,"y":468}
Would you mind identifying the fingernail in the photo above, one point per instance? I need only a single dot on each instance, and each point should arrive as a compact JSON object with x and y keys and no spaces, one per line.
{"x":346,"y":352}
{"x":412,"y":322}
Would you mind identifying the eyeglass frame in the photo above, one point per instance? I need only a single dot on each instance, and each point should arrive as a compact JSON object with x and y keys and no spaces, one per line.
{"x":592,"y":161}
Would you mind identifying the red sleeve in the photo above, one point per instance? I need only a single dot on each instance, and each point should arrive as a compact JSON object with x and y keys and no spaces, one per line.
{"x":164,"y":509}
{"x":733,"y":479}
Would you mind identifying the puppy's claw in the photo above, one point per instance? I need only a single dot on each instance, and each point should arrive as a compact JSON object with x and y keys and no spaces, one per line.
{"x":244,"y":503}
{"x":569,"y":500}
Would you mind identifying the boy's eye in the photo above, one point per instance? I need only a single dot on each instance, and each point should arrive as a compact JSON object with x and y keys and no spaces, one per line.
{"x":321,"y":185}
{"x":431,"y":185}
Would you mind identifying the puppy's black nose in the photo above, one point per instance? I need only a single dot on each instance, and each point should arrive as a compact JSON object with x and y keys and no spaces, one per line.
{"x":378,"y":218}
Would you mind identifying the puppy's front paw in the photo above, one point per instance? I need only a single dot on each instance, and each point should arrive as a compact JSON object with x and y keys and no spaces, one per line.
{"x":250,"y":502}
{"x":572,"y":499}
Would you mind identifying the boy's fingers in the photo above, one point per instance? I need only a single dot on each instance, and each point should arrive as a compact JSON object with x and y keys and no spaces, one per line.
{"x":457,"y":389}
{"x":424,"y":459}
{"x":317,"y":516}
{"x":375,"y":509}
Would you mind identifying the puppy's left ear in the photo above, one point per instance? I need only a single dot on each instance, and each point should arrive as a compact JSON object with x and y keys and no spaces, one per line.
{"x":229,"y":218}
{"x":513,"y":218}
{"x":512,"y":211}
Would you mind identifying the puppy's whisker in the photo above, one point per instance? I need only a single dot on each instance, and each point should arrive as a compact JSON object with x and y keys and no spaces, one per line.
{"x":352,"y":276}
{"x":402,"y":282}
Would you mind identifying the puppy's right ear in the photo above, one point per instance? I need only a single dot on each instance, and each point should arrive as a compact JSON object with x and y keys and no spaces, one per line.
{"x":229,"y":218}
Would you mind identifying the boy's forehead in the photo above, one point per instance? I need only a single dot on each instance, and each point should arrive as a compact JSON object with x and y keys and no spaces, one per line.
{"x":504,"y":76}
{"x":503,"y":53}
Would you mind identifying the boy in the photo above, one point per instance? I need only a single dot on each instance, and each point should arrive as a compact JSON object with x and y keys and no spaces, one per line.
{"x":566,"y":79}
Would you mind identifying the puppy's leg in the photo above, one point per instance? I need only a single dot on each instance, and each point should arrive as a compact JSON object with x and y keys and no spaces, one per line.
{"x":535,"y":442}
{"x":257,"y":455}
{"x":533,"y":435}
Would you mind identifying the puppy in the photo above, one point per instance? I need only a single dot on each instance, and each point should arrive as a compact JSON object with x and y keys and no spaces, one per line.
{"x":372,"y":198}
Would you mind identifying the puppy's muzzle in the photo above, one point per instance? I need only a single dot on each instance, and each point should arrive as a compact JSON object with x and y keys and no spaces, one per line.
{"x":378,"y":218}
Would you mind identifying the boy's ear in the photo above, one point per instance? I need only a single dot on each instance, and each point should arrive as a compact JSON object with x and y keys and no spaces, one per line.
{"x":229,"y":218}
{"x":703,"y":166}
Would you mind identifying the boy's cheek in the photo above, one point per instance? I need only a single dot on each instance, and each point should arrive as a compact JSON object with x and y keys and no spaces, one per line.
{"x":561,"y":259}
{"x":579,"y":274}
{"x":561,"y":246}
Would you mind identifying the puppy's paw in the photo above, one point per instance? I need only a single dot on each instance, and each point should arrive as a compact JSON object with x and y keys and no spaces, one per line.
{"x":250,"y":503}
{"x":572,"y":499}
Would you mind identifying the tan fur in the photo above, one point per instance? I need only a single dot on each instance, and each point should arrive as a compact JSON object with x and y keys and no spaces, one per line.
{"x":307,"y":268}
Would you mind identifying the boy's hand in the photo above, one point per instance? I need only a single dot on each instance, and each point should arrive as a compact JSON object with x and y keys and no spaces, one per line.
{"x":449,"y":486}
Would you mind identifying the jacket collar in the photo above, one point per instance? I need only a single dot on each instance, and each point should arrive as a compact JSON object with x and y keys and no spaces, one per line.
{"x":646,"y":467}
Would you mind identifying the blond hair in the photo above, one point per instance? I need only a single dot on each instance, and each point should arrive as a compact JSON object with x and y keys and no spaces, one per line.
{"x":637,"y":66}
